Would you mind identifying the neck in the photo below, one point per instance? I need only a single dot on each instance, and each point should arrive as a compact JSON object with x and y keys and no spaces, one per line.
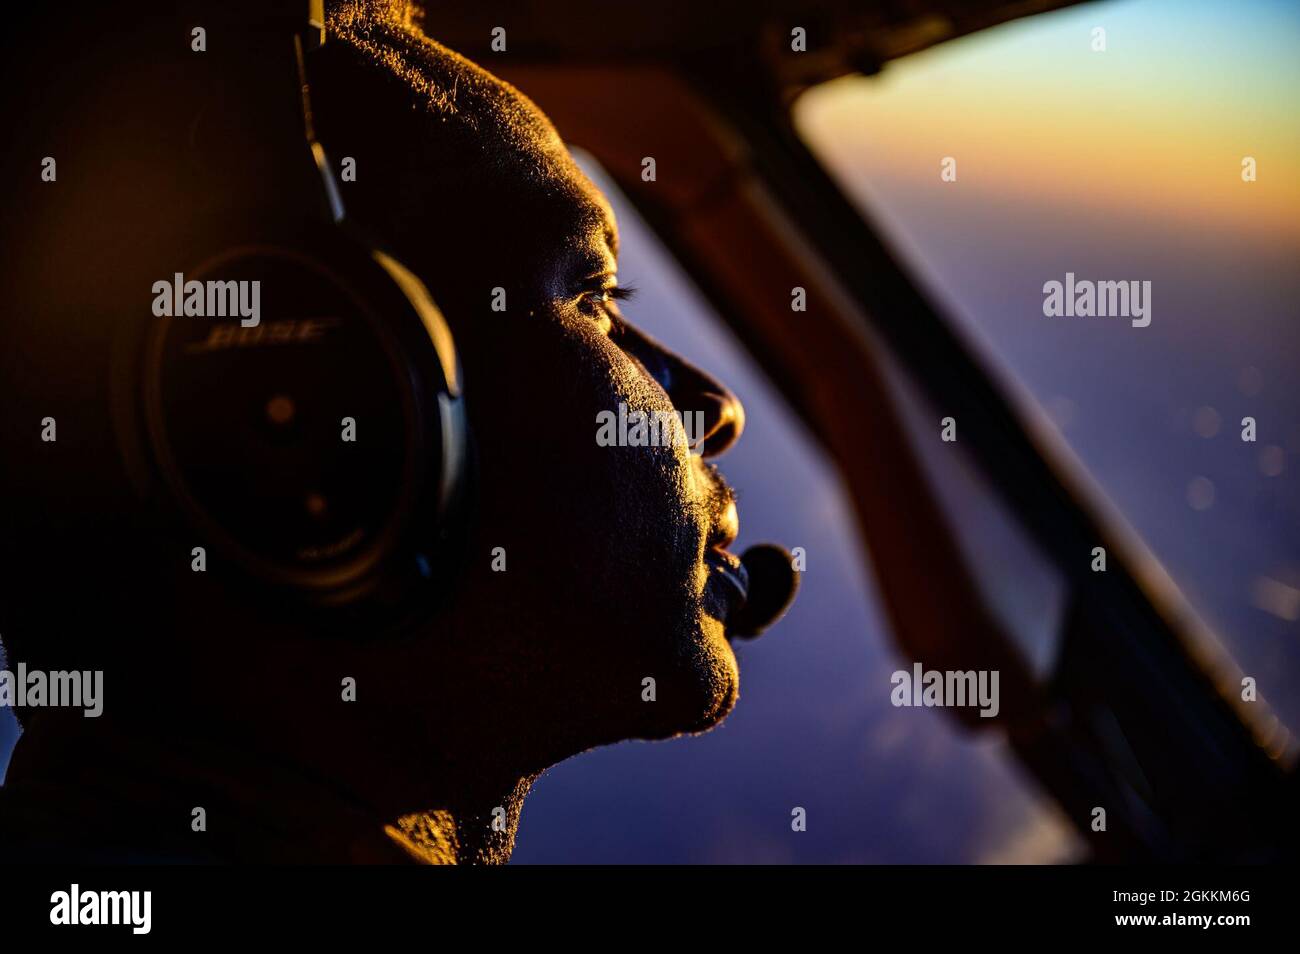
{"x":99,"y":789}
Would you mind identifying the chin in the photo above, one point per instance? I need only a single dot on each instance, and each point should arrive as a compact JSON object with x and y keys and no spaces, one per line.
{"x":704,"y":686}
{"x":723,"y":680}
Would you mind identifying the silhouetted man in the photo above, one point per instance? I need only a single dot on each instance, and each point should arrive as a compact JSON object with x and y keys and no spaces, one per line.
{"x":615,"y":568}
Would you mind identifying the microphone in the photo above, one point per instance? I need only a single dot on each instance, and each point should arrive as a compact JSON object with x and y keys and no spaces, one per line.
{"x":773,"y":582}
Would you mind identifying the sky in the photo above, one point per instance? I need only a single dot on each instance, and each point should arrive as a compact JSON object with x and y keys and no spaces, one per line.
{"x":1156,"y":125}
{"x":1121,"y":165}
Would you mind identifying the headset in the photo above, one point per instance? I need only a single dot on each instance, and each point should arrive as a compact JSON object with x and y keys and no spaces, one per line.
{"x":295,"y":406}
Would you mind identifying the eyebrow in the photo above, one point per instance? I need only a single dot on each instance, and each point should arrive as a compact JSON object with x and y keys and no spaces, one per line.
{"x":596,"y":266}
{"x":590,"y":260}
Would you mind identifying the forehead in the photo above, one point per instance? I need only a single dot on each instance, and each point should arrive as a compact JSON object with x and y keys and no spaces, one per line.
{"x":525,"y":156}
{"x":534,"y":158}
{"x":554,"y":215}
{"x":488,"y":157}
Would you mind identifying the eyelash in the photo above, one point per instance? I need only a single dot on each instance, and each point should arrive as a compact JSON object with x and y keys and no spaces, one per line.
{"x":600,"y":297}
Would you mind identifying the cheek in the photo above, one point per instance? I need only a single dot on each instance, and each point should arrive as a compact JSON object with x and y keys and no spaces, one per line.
{"x":616,"y":528}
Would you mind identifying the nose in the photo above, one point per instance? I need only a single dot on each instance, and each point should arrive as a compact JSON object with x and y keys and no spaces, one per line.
{"x":692,"y":390}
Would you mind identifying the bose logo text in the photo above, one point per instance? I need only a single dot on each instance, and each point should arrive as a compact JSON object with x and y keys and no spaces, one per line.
{"x":292,"y":331}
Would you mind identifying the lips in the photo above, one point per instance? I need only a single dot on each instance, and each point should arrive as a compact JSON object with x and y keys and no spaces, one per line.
{"x":722,"y":536}
{"x":755,"y":589}
{"x":722,"y":562}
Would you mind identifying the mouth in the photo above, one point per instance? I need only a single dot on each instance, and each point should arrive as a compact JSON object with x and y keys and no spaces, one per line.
{"x":724,"y":565}
{"x":752,"y":591}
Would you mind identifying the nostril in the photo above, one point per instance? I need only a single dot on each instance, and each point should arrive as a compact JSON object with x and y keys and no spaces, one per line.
{"x":724,"y":419}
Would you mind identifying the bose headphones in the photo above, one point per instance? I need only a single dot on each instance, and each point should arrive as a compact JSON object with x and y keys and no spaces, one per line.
{"x":311,"y":435}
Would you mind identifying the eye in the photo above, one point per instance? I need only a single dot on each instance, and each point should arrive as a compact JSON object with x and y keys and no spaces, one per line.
{"x":599,"y":304}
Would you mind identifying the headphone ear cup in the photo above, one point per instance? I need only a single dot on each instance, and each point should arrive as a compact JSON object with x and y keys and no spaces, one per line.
{"x":447,"y":388}
{"x":449,"y":467}
{"x":315,"y":436}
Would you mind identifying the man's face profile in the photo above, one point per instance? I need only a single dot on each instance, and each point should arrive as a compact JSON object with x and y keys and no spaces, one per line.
{"x":592,"y":595}
{"x":613,"y":570}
